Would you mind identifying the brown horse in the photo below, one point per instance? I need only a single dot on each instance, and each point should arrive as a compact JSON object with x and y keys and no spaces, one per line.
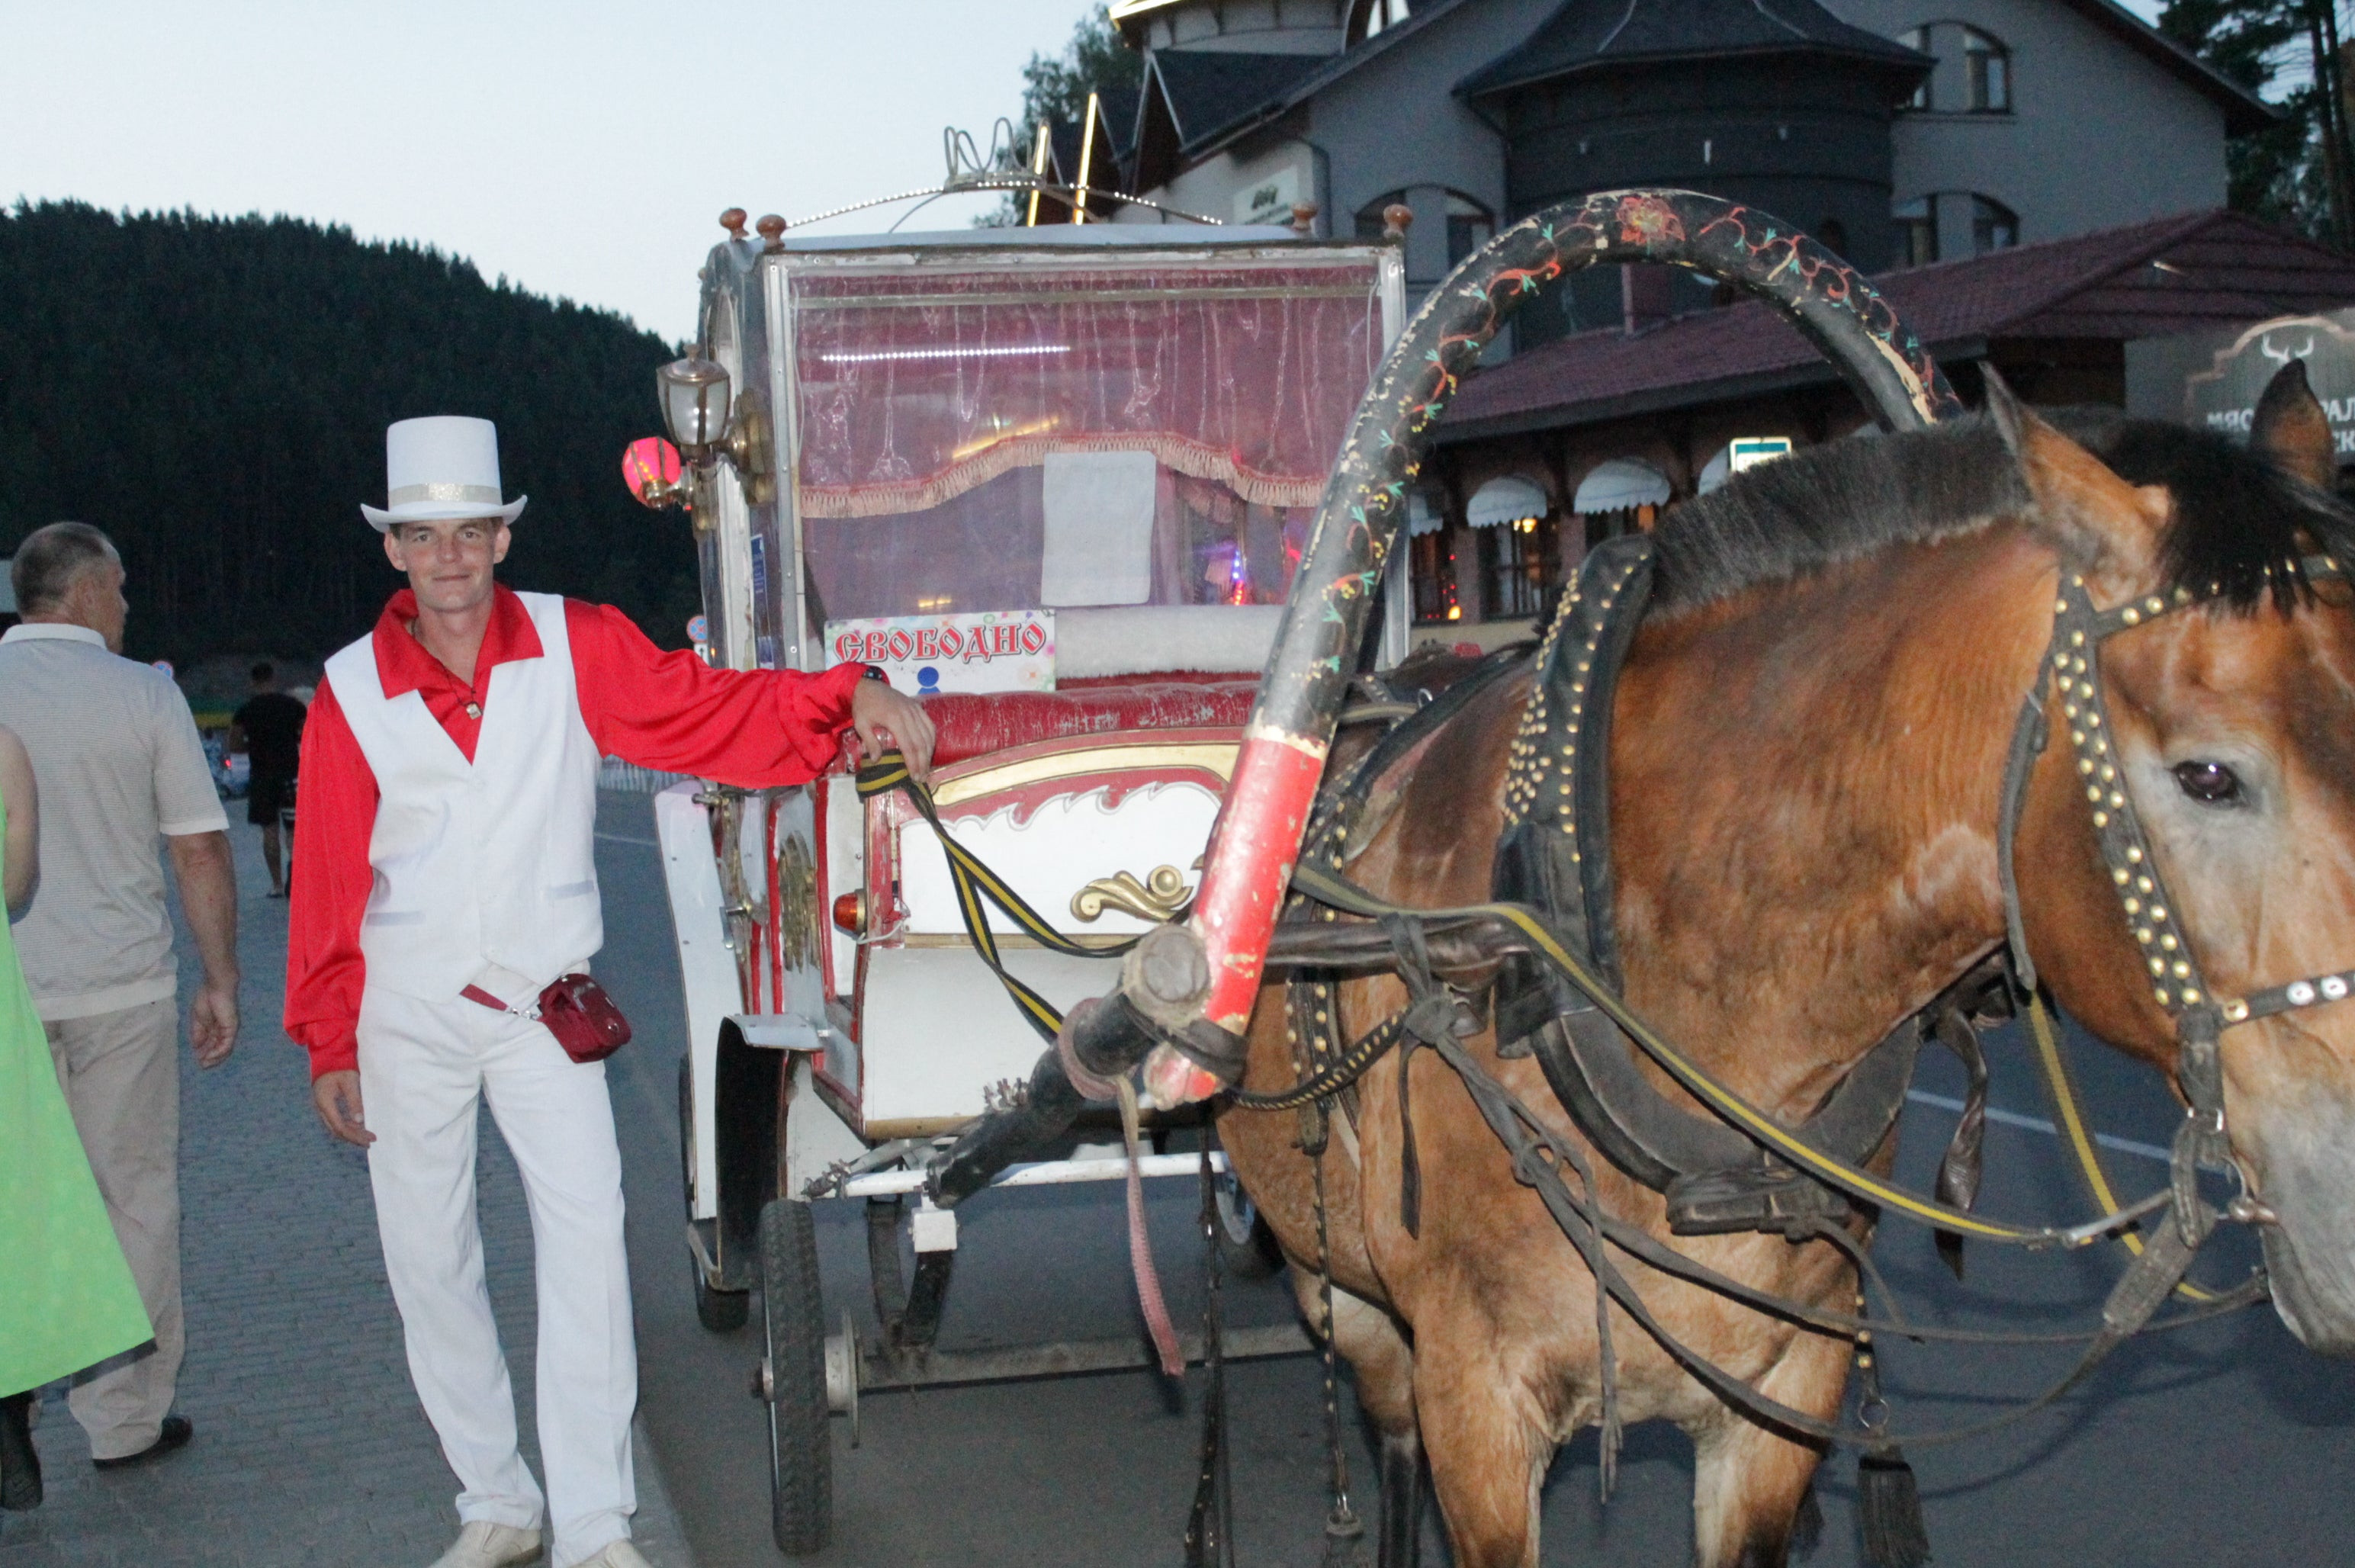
{"x":1806,"y":758}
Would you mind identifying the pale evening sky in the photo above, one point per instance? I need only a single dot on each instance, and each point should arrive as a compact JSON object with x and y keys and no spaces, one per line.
{"x":583,"y":149}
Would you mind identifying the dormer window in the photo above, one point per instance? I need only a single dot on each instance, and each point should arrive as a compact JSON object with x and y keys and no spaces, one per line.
{"x":1367,"y":18}
{"x":1987,"y":73}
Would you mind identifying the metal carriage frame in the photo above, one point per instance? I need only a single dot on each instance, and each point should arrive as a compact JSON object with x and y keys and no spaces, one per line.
{"x":780,"y":1099}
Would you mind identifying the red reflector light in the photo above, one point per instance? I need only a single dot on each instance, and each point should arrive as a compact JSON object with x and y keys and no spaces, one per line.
{"x":850,"y":913}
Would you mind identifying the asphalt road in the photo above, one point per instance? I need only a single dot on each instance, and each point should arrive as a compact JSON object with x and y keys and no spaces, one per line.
{"x":2226,"y":1444}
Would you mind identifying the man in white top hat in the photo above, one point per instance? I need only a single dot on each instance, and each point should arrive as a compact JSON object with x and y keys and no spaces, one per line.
{"x":443,"y":875}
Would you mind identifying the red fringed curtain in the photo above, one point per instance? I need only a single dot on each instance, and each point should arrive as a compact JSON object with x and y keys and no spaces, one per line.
{"x":914,"y":389}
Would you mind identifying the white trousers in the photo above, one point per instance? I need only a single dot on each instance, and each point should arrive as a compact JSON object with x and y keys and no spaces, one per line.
{"x":423,"y":1066}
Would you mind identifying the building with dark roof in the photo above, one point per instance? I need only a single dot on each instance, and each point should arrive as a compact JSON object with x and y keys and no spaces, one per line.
{"x":1599,"y":425}
{"x":1921,"y":129}
{"x":2036,"y":183}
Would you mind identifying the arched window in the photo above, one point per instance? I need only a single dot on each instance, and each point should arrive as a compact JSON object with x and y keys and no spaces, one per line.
{"x":1470,"y":225}
{"x":1987,"y":73}
{"x":1367,"y":18}
{"x":1994,"y":226}
{"x":1985,"y":85}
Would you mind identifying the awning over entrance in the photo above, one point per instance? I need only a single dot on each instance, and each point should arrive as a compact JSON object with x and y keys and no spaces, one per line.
{"x":1619,"y":483}
{"x":1507,"y":499}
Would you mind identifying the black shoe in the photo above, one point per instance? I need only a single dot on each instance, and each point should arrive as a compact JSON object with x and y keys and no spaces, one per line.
{"x":20,"y":1467}
{"x":177,"y":1430}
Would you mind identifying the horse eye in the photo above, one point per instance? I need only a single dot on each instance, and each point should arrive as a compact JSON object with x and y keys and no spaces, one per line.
{"x":2212,"y":783}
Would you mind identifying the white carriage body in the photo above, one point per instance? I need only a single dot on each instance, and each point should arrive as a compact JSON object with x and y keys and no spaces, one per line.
{"x":930,"y":426}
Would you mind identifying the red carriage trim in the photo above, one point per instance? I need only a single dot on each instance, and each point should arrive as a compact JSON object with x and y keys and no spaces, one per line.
{"x":974,"y":725}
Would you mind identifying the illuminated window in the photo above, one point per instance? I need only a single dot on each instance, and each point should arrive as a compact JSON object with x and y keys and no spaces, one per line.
{"x":1517,"y":561}
{"x":1432,"y":566}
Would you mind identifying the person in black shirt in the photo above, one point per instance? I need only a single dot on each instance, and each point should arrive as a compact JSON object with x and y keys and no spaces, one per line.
{"x":269,"y":731}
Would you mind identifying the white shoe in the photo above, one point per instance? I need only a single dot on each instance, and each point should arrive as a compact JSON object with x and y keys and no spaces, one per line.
{"x":483,"y":1544}
{"x":617,"y":1554}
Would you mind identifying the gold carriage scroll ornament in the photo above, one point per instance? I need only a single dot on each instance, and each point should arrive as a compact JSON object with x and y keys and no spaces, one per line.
{"x":796,"y":911}
{"x":1163,"y":896}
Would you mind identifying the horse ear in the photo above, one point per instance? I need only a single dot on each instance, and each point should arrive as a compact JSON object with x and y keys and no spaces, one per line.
{"x":2104,"y":527}
{"x":2291,"y":428}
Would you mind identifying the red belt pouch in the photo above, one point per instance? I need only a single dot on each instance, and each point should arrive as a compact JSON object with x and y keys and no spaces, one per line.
{"x":584,"y":1018}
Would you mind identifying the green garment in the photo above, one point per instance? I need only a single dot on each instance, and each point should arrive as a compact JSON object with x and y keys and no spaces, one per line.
{"x":67,"y":1300}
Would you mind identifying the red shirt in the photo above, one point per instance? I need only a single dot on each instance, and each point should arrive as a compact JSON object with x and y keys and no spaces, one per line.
{"x":665,"y":710}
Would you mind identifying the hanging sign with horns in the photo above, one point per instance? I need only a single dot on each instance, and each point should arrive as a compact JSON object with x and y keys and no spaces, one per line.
{"x":2223,"y":397}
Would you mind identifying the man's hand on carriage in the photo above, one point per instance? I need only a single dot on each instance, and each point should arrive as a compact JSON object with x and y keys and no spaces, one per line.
{"x":884,"y":718}
{"x":336,"y":1095}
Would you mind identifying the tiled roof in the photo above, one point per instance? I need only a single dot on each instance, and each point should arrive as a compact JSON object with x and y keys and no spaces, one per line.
{"x":1593,"y":34}
{"x":1210,"y":89}
{"x":2172,"y":275}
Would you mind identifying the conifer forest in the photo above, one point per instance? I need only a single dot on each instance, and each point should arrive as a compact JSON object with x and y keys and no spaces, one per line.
{"x":213,"y":393}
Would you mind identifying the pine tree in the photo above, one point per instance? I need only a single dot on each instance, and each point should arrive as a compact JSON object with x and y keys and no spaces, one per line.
{"x":2298,"y":173}
{"x":213,"y":393}
{"x":1055,"y":90}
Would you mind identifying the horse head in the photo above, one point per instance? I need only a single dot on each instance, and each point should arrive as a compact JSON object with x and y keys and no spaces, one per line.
{"x":2232,"y":728}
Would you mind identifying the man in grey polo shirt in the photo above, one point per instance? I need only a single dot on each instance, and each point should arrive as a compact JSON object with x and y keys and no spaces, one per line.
{"x":118,"y":764}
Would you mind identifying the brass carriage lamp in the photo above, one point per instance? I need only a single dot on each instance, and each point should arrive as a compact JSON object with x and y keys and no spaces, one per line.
{"x":698,"y":407}
{"x":695,"y":395}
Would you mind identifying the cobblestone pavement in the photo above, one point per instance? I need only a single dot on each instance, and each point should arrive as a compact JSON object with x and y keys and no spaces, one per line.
{"x":310,"y":1447}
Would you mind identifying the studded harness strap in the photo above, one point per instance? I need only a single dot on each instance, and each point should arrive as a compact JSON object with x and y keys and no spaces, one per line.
{"x":2071,"y":672}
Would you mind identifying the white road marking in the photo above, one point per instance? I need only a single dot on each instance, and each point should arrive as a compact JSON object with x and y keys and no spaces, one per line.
{"x":2039,"y":1124}
{"x":626,"y":838}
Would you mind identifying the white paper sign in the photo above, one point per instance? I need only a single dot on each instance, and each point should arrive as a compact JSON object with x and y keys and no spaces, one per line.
{"x":1098,"y":546}
{"x":993,"y":650}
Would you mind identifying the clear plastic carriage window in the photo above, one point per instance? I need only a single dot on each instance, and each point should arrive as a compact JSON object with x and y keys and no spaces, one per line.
{"x":1012,"y":440}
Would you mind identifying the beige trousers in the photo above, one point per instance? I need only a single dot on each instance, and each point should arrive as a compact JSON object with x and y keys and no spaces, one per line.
{"x":120,"y":1072}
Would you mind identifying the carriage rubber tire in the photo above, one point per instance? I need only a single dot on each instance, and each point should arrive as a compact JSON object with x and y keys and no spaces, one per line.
{"x":1247,"y":1247}
{"x":721,"y":1311}
{"x":801,"y":1441}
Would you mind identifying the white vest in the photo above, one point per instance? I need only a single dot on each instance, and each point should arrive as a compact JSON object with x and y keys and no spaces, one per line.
{"x":486,"y":873}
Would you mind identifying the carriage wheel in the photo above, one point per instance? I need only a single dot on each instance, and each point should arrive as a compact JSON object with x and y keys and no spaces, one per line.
{"x":1247,"y":1248}
{"x":721,"y":1311}
{"x":801,"y":1447}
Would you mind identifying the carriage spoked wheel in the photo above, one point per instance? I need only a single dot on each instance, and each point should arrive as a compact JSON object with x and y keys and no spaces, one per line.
{"x":721,"y":1311}
{"x":793,"y":1381}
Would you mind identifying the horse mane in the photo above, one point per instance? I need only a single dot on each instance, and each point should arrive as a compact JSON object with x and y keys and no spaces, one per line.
{"x":1825,"y":506}
{"x":2241,"y":526}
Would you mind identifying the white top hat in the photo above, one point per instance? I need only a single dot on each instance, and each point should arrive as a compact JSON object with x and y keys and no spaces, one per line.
{"x":442,"y":466}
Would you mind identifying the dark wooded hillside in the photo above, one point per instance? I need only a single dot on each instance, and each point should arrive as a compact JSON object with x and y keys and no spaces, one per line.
{"x":213,"y":392}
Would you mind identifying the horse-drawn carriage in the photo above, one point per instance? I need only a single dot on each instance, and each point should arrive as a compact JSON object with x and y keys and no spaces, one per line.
{"x":1879,"y":741}
{"x":1058,"y":480}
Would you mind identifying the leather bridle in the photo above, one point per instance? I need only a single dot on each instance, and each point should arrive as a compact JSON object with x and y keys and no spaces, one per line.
{"x":2071,"y":673}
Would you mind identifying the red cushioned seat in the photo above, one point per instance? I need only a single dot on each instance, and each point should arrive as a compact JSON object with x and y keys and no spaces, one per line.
{"x":972,"y":725}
